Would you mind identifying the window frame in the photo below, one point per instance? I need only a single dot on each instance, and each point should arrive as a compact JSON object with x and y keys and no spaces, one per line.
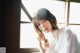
{"x":67,"y":8}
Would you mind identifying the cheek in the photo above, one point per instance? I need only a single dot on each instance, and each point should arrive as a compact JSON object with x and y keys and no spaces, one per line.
{"x":41,"y":28}
{"x":49,"y":25}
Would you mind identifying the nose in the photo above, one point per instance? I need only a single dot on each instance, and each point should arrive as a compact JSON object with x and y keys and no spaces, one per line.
{"x":42,"y":26}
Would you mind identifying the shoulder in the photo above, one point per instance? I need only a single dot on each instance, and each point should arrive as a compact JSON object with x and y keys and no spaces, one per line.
{"x":67,"y":31}
{"x":63,"y":29}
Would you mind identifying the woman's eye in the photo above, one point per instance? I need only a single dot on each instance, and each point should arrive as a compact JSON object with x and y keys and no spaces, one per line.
{"x":38,"y":24}
{"x":44,"y":20}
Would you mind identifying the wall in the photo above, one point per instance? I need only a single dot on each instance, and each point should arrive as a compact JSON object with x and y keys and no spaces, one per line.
{"x":10,"y":16}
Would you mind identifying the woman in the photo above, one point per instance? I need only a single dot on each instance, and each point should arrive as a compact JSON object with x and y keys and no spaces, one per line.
{"x":51,"y":38}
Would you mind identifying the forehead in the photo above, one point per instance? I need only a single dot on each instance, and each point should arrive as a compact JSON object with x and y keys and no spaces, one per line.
{"x":40,"y":21}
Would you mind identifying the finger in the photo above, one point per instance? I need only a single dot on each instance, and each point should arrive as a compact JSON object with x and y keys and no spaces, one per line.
{"x":40,"y":35}
{"x":40,"y":38}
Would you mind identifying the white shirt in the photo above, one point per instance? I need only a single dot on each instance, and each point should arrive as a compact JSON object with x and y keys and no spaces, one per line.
{"x":65,"y":42}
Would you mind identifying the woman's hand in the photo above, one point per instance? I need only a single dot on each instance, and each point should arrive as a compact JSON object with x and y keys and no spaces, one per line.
{"x":41,"y":37}
{"x":46,"y":44}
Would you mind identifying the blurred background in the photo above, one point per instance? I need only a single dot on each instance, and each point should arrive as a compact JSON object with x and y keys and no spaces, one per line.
{"x":16,"y":30}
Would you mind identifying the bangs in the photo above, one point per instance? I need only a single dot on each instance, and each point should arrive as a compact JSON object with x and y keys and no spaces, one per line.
{"x":37,"y":19}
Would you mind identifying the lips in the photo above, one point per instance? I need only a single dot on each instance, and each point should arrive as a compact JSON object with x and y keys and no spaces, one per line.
{"x":45,"y":29}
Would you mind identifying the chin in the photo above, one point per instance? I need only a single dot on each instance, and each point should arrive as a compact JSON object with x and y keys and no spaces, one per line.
{"x":47,"y":31}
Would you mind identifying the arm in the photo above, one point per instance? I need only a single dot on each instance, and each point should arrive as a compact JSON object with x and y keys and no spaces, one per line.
{"x":40,"y":39}
{"x":42,"y":50}
{"x":69,"y":43}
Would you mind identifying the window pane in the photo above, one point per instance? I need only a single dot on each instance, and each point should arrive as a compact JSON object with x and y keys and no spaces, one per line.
{"x":74,"y":12}
{"x":56,"y":7}
{"x":28,"y":36}
{"x":24,"y":16}
{"x":76,"y":30}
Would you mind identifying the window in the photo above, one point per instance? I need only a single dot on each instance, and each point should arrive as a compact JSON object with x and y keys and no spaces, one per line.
{"x":74,"y":21}
{"x":27,"y":33}
{"x":58,"y":8}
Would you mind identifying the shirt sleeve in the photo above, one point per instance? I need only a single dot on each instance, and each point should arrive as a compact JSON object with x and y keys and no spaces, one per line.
{"x":41,"y":48}
{"x":69,"y":44}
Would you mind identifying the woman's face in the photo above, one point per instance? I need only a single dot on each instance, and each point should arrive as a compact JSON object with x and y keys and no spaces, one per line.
{"x":44,"y":25}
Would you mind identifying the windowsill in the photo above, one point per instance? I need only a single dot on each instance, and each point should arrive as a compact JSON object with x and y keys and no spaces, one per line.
{"x":30,"y":49}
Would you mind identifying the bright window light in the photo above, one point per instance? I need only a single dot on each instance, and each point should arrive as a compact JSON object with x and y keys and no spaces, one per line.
{"x":24,"y":16}
{"x":75,"y":18}
{"x":56,"y":7}
{"x":75,"y":12}
{"x":27,"y":34}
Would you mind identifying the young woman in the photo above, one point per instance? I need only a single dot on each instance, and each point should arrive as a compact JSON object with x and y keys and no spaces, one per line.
{"x":51,"y":38}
